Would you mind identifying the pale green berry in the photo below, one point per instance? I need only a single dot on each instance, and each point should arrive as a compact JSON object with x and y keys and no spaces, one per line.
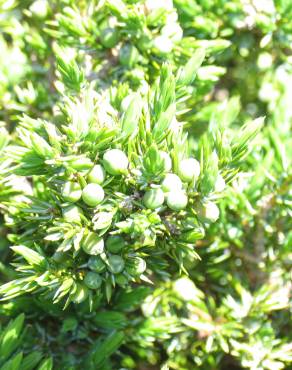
{"x":177,"y":200}
{"x":116,"y":264}
{"x":92,"y":280}
{"x":72,"y":214}
{"x":115,"y":162}
{"x":96,"y":175}
{"x":92,"y":244}
{"x":109,"y":37}
{"x":173,"y":31}
{"x":92,"y":194}
{"x":129,"y":55}
{"x":96,"y":264}
{"x":162,"y":45}
{"x":189,"y":169}
{"x":265,"y":60}
{"x":153,"y":198}
{"x":121,"y":279}
{"x":136,"y":266}
{"x":154,"y":5}
{"x":115,"y":243}
{"x":167,"y":163}
{"x":39,"y":8}
{"x":71,"y":191}
{"x":208,"y":212}
{"x":171,"y":182}
{"x":60,"y":257}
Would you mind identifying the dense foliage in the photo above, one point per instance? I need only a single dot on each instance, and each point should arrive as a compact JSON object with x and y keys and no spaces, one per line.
{"x":145,"y":184}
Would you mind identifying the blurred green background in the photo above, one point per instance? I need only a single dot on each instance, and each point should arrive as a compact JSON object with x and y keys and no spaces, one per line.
{"x":233,"y":310}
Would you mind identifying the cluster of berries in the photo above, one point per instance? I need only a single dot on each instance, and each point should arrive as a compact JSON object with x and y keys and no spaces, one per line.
{"x":171,"y":188}
{"x":109,"y":254}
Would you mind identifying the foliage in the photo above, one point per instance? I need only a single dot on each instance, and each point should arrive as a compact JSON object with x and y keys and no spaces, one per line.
{"x":145,"y":171}
{"x":11,"y":356}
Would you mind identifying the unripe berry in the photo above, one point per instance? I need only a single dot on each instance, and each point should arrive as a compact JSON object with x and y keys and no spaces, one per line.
{"x":171,"y":182}
{"x":121,"y":279}
{"x":129,"y":55}
{"x":208,"y":212}
{"x":177,"y":200}
{"x":152,"y":5}
{"x":92,"y":280}
{"x":115,"y":243}
{"x":96,"y":175}
{"x":265,"y":61}
{"x":153,"y":198}
{"x":60,"y":257}
{"x":162,"y":45}
{"x":92,"y":244}
{"x":96,"y":264}
{"x":39,"y":8}
{"x":92,"y":194}
{"x":71,"y":191}
{"x":136,"y":266}
{"x":116,"y":264}
{"x":167,"y":163}
{"x":115,"y":162}
{"x":72,"y":214}
{"x":109,"y":37}
{"x":173,"y":31}
{"x":189,"y":169}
